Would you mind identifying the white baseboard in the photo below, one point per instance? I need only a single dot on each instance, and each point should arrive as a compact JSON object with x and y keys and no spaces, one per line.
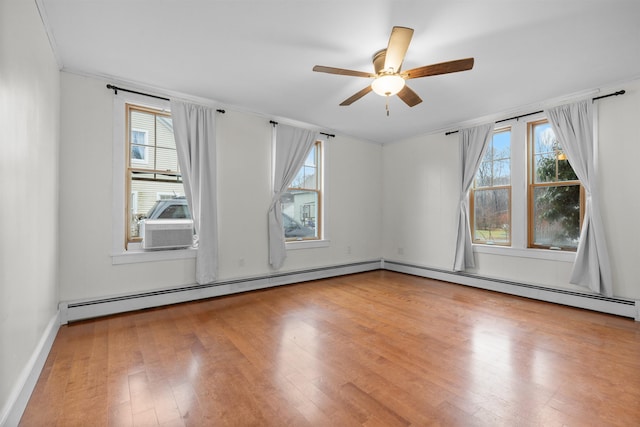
{"x":78,"y":310}
{"x":85,"y":309}
{"x":618,"y":306}
{"x":26,"y":383}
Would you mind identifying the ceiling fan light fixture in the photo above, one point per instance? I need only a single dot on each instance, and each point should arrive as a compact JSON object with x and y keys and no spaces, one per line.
{"x":388,"y":84}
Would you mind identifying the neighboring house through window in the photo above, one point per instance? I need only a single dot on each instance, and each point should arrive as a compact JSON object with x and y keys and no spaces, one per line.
{"x":301,"y":203}
{"x":152,"y":171}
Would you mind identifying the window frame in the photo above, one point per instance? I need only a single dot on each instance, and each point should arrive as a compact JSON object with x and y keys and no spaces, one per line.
{"x":130,"y":167}
{"x":120,"y":253}
{"x":319,"y":195}
{"x":532,"y":185}
{"x":323,"y":239}
{"x":475,"y":189}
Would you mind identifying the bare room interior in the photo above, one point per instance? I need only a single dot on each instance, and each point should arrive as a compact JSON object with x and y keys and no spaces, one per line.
{"x":319,"y":213}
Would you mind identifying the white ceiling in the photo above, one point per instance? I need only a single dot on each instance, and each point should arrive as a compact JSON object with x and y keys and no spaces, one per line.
{"x":257,"y":55}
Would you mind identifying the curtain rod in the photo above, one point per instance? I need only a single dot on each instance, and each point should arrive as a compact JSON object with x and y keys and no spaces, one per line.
{"x":620,"y":92}
{"x":329,"y":135}
{"x":116,"y":89}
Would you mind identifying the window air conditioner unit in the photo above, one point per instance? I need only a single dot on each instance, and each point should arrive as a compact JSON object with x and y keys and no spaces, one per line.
{"x":166,"y":233}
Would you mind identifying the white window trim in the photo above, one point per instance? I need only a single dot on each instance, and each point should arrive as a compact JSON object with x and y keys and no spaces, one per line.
{"x":519,"y":201}
{"x":145,"y":160}
{"x":324,"y":240}
{"x":134,"y":254}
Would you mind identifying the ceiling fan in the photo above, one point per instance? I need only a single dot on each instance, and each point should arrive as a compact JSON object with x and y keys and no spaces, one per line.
{"x":388,"y":78}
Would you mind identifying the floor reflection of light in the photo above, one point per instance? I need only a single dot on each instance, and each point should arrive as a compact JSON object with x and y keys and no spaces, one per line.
{"x":506,"y":365}
{"x":491,"y":362}
{"x":541,"y":367}
{"x":491,"y":346}
{"x":297,"y":362}
{"x":297,"y":349}
{"x":194,"y":369}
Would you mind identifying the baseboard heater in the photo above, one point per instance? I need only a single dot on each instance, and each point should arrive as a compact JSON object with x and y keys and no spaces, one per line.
{"x":618,"y":306}
{"x":79,"y":310}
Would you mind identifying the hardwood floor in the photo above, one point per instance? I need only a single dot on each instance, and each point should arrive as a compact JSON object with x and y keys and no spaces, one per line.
{"x":372,"y":349}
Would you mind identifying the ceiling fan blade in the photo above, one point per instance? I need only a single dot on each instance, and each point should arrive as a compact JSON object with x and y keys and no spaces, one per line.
{"x":441,"y":68}
{"x":355,"y":97}
{"x":409,"y":96}
{"x":342,"y":71}
{"x":397,"y":48}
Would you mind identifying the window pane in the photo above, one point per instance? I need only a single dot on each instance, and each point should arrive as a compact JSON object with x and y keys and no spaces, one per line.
{"x":300,"y":214}
{"x":545,"y":168}
{"x":152,"y":148}
{"x":502,"y":172}
{"x":491,"y":216}
{"x":142,"y":157}
{"x":311,"y":157}
{"x":543,"y":137}
{"x":502,"y":144}
{"x":565,"y":171}
{"x":556,"y":216}
{"x":484,"y":176}
{"x":306,"y":177}
{"x":164,"y":129}
{"x":495,"y":168}
{"x":142,"y":122}
{"x":166,"y":159}
{"x":550,"y":162}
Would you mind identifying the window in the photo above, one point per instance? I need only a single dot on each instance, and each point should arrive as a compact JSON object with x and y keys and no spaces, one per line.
{"x":301,"y":202}
{"x":152,"y":170}
{"x":139,"y":144}
{"x":525,"y":194}
{"x":555,"y":193}
{"x":491,"y":193}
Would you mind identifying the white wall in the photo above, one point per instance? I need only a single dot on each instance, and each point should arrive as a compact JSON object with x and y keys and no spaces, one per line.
{"x":421,"y":180}
{"x":353,"y":202}
{"x":619,"y":119}
{"x":29,"y":117}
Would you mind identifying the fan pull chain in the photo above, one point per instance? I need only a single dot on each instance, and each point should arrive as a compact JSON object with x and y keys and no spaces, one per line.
{"x":387,"y":106}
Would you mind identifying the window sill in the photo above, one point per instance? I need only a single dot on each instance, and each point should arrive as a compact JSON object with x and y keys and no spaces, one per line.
{"x":547,"y":254}
{"x":137,"y":256}
{"x":307,"y":244}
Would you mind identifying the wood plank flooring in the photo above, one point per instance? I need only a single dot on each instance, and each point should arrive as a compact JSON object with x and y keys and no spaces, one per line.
{"x":371,"y":349}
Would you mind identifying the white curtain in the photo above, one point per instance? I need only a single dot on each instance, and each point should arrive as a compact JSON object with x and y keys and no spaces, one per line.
{"x":290,"y":149}
{"x":473,"y":144}
{"x":194,"y":130}
{"x":573,"y":127}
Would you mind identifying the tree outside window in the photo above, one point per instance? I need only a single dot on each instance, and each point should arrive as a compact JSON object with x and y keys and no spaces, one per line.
{"x":491,"y":193}
{"x":555,"y":193}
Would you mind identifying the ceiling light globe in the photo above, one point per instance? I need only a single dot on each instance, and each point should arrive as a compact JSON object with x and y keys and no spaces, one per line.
{"x":388,"y":85}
